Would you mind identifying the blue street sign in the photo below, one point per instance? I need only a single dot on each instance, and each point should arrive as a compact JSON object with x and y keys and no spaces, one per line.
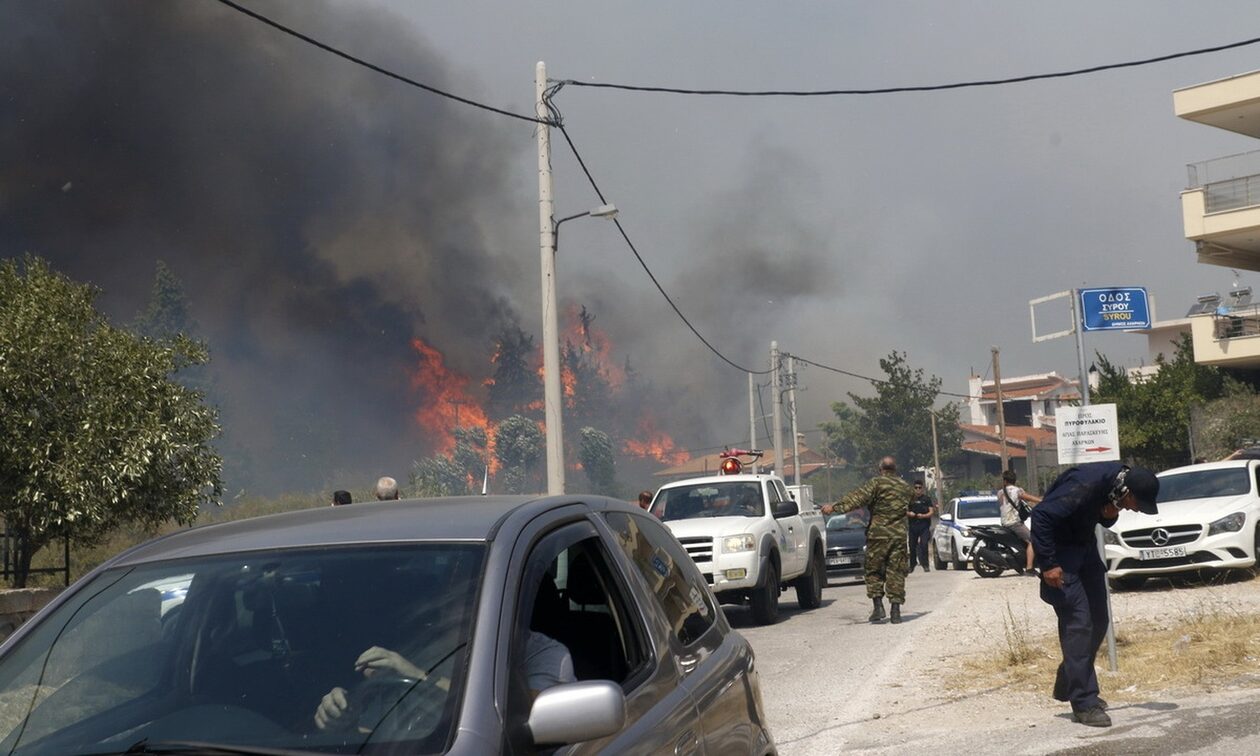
{"x":1119,"y":308}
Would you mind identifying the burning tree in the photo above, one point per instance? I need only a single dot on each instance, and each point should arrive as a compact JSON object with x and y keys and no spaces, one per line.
{"x":514,"y":388}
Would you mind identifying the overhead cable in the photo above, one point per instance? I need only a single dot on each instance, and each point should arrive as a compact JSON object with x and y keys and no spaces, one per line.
{"x":899,"y":90}
{"x":378,"y":69}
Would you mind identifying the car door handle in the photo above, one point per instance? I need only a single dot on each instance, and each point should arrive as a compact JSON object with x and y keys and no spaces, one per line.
{"x":688,"y":663}
{"x":687,"y":744}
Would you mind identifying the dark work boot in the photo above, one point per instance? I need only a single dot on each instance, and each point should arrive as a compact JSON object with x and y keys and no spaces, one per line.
{"x":877,"y":612}
{"x":894,"y":615}
{"x":1093,"y":717}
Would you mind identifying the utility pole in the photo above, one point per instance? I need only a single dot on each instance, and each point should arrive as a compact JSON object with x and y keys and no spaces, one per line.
{"x":553,"y":396}
{"x":1001,"y":413}
{"x":796,"y":447}
{"x":777,"y":428}
{"x":752,"y":414}
{"x":936,"y":467}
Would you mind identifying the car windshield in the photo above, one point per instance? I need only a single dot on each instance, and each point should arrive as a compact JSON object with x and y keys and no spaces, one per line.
{"x":239,"y":650}
{"x":978,"y":508}
{"x":1204,"y":484}
{"x":733,"y":499}
{"x":849,"y":521}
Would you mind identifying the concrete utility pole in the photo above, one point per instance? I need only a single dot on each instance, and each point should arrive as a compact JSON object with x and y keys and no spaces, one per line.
{"x":936,"y":467}
{"x":553,"y":395}
{"x":777,"y":428}
{"x":752,"y":414}
{"x":1001,"y":413}
{"x":796,"y":446}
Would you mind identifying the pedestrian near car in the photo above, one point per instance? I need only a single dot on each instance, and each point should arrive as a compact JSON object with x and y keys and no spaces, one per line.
{"x":645,"y":500}
{"x":1015,"y":505}
{"x":1073,"y":576}
{"x":386,"y":489}
{"x":919,"y":517}
{"x":341,"y":498}
{"x":886,"y":498}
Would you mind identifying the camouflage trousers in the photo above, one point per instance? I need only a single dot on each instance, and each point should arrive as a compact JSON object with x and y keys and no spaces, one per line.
{"x":886,"y":568}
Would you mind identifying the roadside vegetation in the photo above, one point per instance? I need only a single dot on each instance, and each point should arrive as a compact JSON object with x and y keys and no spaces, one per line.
{"x":1200,"y":649}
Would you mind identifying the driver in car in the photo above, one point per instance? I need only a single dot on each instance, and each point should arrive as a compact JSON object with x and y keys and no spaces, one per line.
{"x":547,"y":663}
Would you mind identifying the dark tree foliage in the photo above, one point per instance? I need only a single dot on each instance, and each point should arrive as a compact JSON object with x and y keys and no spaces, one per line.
{"x":897,"y":420}
{"x":596,"y":456}
{"x":1154,"y":412}
{"x":518,"y":445}
{"x":514,"y":387}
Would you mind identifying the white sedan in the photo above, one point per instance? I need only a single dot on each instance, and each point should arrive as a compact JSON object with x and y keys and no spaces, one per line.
{"x":1209,"y":518}
{"x":951,"y":538}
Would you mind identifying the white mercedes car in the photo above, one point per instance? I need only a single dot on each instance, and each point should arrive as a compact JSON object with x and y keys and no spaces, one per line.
{"x":1209,"y":518}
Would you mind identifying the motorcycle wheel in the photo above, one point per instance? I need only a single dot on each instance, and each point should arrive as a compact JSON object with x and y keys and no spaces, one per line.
{"x":983,"y":567}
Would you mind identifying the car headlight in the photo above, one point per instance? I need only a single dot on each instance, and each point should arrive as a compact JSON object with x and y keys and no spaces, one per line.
{"x":739,"y":543}
{"x":1110,"y":538}
{"x":1228,"y":524}
{"x":966,"y":532}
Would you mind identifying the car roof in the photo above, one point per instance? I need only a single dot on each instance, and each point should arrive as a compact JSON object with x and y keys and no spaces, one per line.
{"x":459,"y":518}
{"x":981,"y":497}
{"x":1222,"y":465}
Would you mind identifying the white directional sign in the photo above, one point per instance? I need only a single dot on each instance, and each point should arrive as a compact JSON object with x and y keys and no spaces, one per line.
{"x":1087,"y":434}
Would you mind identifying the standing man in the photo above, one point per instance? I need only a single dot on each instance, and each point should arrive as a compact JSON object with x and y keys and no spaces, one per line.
{"x":886,"y":497}
{"x":386,"y":489}
{"x":919,"y":514}
{"x":1073,"y":574}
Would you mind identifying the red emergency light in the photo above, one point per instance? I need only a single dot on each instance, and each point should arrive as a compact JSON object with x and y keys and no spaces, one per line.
{"x":731,"y":466}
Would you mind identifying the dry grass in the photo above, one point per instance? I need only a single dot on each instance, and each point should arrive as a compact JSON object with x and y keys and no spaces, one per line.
{"x":1211,"y":650}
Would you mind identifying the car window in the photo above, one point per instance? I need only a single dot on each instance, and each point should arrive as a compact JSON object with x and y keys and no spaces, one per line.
{"x":678,"y":587}
{"x":1203,"y":484}
{"x":977,"y":508}
{"x":240,"y":649}
{"x":848,"y":521}
{"x":781,"y":493}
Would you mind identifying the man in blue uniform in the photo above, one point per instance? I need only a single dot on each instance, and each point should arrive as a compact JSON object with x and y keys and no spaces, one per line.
{"x":1073,"y":576}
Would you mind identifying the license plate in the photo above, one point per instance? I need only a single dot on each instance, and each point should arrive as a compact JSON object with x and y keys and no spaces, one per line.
{"x":1168,"y":552}
{"x":834,"y":561}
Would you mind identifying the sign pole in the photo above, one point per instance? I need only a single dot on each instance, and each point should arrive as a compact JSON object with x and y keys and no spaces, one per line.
{"x":1078,"y":325}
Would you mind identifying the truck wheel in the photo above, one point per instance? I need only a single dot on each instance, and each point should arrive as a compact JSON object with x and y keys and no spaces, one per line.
{"x":809,"y":586}
{"x":937,"y":562}
{"x":765,"y":597}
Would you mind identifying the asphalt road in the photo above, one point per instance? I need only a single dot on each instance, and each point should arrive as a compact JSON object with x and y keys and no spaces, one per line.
{"x":833,"y":682}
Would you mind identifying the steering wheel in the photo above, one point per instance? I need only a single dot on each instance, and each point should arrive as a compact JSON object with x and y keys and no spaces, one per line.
{"x":397,"y":705}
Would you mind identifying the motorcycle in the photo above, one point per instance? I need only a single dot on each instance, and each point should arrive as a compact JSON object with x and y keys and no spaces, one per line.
{"x":996,"y":550}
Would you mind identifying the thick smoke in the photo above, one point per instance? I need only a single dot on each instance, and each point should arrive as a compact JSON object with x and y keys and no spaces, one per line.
{"x":319,"y":215}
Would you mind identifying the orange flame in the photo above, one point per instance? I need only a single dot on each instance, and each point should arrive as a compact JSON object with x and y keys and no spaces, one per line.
{"x":654,"y":444}
{"x":447,"y":404}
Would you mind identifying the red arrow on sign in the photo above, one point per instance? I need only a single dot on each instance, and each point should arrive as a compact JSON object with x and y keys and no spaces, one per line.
{"x":1098,"y":449}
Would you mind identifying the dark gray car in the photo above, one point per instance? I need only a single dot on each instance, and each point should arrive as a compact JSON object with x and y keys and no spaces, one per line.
{"x":471,"y":625}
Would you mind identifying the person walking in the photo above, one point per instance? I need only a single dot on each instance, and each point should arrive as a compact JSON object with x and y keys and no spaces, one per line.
{"x":386,"y":489}
{"x":1073,"y":574}
{"x":919,"y":514}
{"x":886,"y":497}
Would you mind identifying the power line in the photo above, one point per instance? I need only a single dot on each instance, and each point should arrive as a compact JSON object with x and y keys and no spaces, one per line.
{"x":378,"y":69}
{"x":868,"y":378}
{"x":639,"y":257}
{"x":922,"y":88}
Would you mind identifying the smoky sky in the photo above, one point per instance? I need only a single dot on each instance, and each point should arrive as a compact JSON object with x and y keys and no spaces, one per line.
{"x":318,"y":216}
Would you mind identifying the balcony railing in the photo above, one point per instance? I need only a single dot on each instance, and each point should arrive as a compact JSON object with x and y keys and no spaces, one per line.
{"x":1236,"y":322}
{"x":1228,"y":183}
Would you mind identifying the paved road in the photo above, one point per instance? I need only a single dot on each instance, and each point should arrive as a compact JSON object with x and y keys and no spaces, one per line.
{"x":832,"y":682}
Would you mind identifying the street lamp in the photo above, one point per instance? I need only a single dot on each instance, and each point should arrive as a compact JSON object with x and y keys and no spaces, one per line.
{"x":553,"y":397}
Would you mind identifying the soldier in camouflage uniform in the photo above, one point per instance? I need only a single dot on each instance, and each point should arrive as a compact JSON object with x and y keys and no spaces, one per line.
{"x":886,"y":497}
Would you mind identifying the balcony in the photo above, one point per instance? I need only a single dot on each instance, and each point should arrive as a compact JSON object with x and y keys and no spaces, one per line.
{"x":1229,"y":337}
{"x":1221,"y":210}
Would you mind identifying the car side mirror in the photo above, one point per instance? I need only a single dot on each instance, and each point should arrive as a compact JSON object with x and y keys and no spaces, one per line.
{"x":947,"y":517}
{"x":577,"y":712}
{"x":784,"y":509}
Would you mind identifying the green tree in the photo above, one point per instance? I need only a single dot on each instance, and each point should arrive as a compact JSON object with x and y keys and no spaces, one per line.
{"x":167,"y":313}
{"x":1153,"y":411}
{"x":95,"y":433}
{"x":518,"y":445}
{"x":596,"y":455}
{"x":896,"y":420}
{"x":438,"y":476}
{"x":1227,"y":424}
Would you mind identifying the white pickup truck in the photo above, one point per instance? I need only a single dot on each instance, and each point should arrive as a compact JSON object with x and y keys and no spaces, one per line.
{"x":749,"y":537}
